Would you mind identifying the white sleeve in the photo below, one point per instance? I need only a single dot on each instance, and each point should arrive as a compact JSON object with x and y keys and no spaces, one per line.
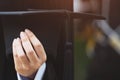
{"x":38,"y":76}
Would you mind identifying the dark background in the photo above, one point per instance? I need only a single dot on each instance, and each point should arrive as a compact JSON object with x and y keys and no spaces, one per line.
{"x":35,"y":4}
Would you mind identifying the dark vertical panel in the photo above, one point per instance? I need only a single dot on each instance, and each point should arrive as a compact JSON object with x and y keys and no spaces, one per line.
{"x":114,"y":13}
{"x":2,"y":54}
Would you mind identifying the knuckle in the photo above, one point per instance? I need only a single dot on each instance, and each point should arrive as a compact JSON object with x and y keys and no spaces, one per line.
{"x":15,"y":55}
{"x":22,"y":56}
{"x":37,"y":65}
{"x":30,"y":52}
{"x":31,"y":35}
{"x":27,"y":68}
{"x":24,"y":40}
{"x":38,"y":45}
{"x":44,"y":58}
{"x":40,"y":62}
{"x":18,"y":69}
{"x":34,"y":66}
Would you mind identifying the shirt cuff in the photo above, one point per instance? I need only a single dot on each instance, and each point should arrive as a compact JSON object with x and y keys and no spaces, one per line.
{"x":38,"y":76}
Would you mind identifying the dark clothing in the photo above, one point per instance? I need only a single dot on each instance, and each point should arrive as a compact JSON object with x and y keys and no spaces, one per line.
{"x":51,"y":33}
{"x":2,"y":55}
{"x":105,"y":65}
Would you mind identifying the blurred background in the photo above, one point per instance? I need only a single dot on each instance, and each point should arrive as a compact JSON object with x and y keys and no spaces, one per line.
{"x":95,"y":58}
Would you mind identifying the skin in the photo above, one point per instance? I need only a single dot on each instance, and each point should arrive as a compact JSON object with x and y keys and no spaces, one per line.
{"x":28,"y":54}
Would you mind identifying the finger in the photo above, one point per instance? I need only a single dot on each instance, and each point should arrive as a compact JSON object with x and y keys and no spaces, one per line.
{"x":15,"y":56}
{"x":22,"y":56}
{"x":37,"y":45}
{"x":32,"y":56}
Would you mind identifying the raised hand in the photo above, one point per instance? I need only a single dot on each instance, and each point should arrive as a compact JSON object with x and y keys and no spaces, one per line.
{"x":28,"y":54}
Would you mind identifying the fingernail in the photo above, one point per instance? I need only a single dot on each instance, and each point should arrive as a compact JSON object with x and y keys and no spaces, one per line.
{"x":27,"y":30}
{"x":22,"y":34}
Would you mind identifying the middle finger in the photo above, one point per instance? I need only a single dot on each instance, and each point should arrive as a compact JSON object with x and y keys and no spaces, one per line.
{"x":28,"y":48}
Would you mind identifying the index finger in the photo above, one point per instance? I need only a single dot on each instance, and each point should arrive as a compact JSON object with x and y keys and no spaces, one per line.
{"x":36,"y":44}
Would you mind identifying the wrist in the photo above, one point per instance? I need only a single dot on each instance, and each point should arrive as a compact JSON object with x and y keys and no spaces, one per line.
{"x":31,"y":77}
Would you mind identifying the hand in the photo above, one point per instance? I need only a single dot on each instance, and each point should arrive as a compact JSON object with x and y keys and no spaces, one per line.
{"x":28,"y":54}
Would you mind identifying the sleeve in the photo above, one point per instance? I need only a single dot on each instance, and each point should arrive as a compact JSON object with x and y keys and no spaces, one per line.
{"x":38,"y":76}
